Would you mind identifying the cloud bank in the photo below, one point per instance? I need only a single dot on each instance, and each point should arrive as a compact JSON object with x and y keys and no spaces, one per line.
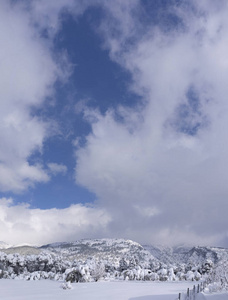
{"x":161,"y":172}
{"x":22,"y":224}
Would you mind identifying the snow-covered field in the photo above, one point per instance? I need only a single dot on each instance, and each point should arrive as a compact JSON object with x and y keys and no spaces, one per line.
{"x":118,"y":290}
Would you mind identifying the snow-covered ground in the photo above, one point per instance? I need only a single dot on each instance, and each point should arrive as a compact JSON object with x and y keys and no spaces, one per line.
{"x":121,"y":290}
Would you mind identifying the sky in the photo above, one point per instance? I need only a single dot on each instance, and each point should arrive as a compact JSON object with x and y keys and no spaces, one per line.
{"x":113,"y":121}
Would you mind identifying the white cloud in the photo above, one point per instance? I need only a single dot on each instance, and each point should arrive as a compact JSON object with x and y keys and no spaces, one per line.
{"x":56,"y":169}
{"x":27,"y":74}
{"x":28,"y":71}
{"x":21,"y":224}
{"x":150,"y":159}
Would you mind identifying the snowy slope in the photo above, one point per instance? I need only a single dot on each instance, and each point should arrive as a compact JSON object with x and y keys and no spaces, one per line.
{"x":22,"y":250}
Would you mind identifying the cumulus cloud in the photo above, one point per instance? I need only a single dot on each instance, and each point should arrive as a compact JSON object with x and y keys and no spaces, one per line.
{"x":27,"y":75}
{"x":169,"y":155}
{"x":20,"y":223}
{"x":29,"y":70}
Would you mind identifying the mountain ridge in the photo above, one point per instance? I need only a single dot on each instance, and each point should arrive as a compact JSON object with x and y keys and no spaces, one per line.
{"x":115,"y":249}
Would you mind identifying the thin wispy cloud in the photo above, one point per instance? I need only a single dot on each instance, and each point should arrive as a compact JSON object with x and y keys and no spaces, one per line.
{"x":56,"y":169}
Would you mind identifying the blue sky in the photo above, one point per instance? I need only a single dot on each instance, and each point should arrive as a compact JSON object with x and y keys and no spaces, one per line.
{"x":113,"y":121}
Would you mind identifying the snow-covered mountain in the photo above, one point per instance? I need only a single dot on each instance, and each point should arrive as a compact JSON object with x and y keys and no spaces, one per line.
{"x":4,"y":245}
{"x":22,"y":250}
{"x":186,"y":254}
{"x":91,"y":259}
{"x":113,"y":250}
{"x":106,"y":249}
